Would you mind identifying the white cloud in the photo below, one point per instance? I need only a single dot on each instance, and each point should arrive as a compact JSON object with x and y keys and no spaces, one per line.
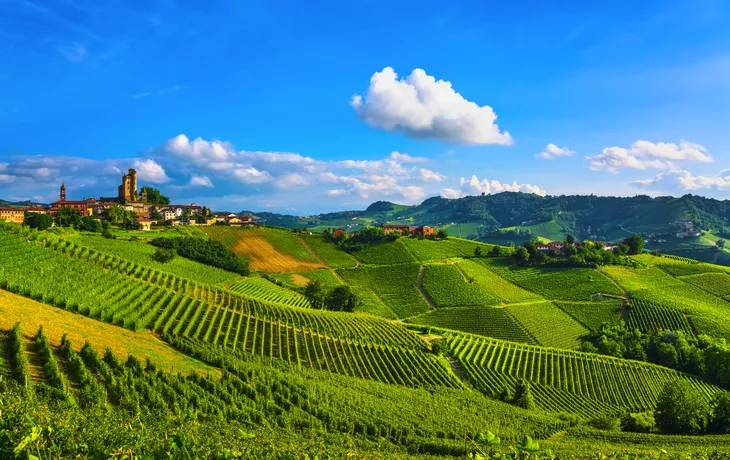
{"x":251,"y":175}
{"x":6,"y":179}
{"x":552,"y":151}
{"x":426,"y":175}
{"x":291,"y":181}
{"x":648,"y":155}
{"x":151,"y":171}
{"x":475,"y":187}
{"x":215,"y":155}
{"x":201,"y":181}
{"x":421,"y":107}
{"x":682,"y":180}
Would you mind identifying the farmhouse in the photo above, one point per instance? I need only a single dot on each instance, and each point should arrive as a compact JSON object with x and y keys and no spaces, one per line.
{"x":542,"y":247}
{"x":14,"y":215}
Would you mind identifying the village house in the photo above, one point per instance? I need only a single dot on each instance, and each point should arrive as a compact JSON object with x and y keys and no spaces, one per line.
{"x":35,"y":210}
{"x":689,"y":234}
{"x":542,"y":247}
{"x":238,"y":221}
{"x":144,"y":223}
{"x":10,"y":214}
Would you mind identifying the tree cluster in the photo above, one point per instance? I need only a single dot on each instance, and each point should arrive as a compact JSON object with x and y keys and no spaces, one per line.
{"x":681,"y":409}
{"x":119,"y":216}
{"x":704,"y":356}
{"x":340,"y":298}
{"x":209,"y":252}
{"x":154,"y":196}
{"x":587,"y":254}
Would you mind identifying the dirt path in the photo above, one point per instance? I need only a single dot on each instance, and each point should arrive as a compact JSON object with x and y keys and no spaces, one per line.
{"x":311,"y":251}
{"x":425,"y":296}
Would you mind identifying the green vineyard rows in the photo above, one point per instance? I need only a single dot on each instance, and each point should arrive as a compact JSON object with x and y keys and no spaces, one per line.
{"x":486,"y":321}
{"x":329,"y":253}
{"x":567,"y":381}
{"x":548,"y":325}
{"x":593,"y":314}
{"x":715,"y":283}
{"x":447,"y":287}
{"x":266,"y":290}
{"x":117,"y":291}
{"x":577,"y":284}
{"x":650,"y":317}
{"x":395,"y":286}
{"x":384,"y":254}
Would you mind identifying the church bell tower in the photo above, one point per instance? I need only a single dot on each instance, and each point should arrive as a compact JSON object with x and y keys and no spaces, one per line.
{"x":63,"y":192}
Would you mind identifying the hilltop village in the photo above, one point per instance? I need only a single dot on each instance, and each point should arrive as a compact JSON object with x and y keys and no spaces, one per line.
{"x":145,"y":208}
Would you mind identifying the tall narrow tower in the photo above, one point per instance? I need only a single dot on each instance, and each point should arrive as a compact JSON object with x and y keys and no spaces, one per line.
{"x":63,"y":192}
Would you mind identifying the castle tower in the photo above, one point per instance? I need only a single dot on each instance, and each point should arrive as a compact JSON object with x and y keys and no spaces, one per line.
{"x":63,"y":192}
{"x":128,"y":190}
{"x":144,"y":195}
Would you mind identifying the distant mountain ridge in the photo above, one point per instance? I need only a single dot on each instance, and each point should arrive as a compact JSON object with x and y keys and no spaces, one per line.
{"x":22,"y":204}
{"x":513,"y":217}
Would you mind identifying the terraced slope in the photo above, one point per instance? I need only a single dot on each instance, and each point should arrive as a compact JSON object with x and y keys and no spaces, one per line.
{"x":448,"y":287}
{"x":566,"y":381}
{"x":117,"y":291}
{"x":593,"y":314}
{"x":424,"y":249}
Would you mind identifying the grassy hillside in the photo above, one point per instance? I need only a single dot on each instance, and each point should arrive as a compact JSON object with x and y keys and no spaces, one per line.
{"x":270,"y":250}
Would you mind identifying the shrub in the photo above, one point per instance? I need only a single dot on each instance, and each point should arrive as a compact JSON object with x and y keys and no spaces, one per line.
{"x":642,"y":422}
{"x":605,"y":422}
{"x":681,"y":409}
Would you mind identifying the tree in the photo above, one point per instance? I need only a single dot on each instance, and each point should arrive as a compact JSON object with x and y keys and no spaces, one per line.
{"x":442,"y":234}
{"x":569,"y":240}
{"x":635,"y":244}
{"x":39,"y":221}
{"x":522,"y":256}
{"x":155,"y":197}
{"x":67,"y":217}
{"x":341,"y":298}
{"x":157,"y":216}
{"x":681,"y":409}
{"x":90,"y":224}
{"x":315,"y":294}
{"x":523,"y":395}
{"x":477,"y":251}
{"x":720,"y":421}
{"x":720,"y":243}
{"x":117,"y":215}
{"x":164,"y":255}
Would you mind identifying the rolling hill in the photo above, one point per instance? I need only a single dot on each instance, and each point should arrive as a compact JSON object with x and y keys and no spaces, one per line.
{"x":421,"y":368}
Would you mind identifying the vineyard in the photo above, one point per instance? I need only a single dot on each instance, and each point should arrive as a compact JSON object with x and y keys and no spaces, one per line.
{"x":266,"y":290}
{"x":135,"y":297}
{"x":593,"y":314}
{"x":329,"y":253}
{"x":250,"y":392}
{"x":395,"y":286}
{"x":425,"y":249}
{"x":576,"y":284}
{"x":566,"y":381}
{"x":494,"y":284}
{"x":141,"y":253}
{"x":446,"y":285}
{"x":650,"y":317}
{"x":715,"y":283}
{"x":548,"y":325}
{"x":384,"y":254}
{"x":485,"y":321}
{"x":300,"y":279}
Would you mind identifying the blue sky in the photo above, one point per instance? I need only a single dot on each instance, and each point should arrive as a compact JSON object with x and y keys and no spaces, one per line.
{"x":306,"y":107}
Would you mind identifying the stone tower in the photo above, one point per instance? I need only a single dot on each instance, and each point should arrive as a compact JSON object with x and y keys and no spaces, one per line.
{"x":63,"y":192}
{"x":128,"y":189}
